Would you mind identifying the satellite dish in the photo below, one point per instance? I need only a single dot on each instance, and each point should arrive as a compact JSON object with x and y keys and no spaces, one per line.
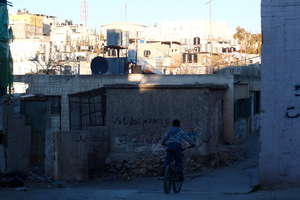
{"x":99,"y":65}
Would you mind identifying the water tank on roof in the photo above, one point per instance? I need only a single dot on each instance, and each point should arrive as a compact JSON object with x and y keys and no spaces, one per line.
{"x":99,"y":65}
{"x":114,"y":37}
{"x":115,"y":66}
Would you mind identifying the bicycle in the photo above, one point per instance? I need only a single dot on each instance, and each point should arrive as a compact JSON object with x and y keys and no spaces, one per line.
{"x":172,"y":178}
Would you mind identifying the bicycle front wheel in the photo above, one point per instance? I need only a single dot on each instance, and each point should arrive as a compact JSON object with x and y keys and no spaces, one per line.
{"x":167,"y":180}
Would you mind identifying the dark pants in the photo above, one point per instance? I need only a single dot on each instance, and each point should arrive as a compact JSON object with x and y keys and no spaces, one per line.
{"x":2,"y":91}
{"x":174,"y":152}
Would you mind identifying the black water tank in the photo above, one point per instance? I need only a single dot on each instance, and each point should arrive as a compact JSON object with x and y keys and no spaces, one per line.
{"x":99,"y":65}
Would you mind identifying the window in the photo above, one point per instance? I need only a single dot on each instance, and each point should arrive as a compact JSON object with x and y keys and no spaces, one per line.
{"x":112,"y":52}
{"x":190,"y":58}
{"x":197,"y":41}
{"x":195,"y":58}
{"x":242,"y":109}
{"x":147,"y":53}
{"x":257,"y":102}
{"x":87,"y":110}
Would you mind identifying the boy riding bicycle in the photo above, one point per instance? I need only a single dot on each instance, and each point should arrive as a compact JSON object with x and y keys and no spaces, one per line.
{"x":173,"y":140}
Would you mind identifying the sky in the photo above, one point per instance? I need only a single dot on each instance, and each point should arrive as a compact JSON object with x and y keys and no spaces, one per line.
{"x":244,"y":13}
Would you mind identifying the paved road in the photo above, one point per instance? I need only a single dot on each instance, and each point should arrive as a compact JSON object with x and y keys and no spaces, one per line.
{"x":94,"y":193}
{"x":231,"y":183}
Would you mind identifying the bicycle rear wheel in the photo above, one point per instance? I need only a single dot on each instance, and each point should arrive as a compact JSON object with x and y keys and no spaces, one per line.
{"x":177,"y":184}
{"x":167,"y":180}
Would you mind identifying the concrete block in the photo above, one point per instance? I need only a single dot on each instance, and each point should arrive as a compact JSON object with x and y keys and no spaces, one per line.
{"x":72,"y":156}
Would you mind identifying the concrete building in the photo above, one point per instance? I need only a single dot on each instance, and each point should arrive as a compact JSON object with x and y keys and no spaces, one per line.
{"x":185,"y":31}
{"x":52,"y":45}
{"x":159,"y":48}
{"x":158,"y":56}
{"x":280,"y":139}
{"x":247,"y":99}
{"x":33,"y":59}
{"x":26,"y":25}
{"x":135,"y":30}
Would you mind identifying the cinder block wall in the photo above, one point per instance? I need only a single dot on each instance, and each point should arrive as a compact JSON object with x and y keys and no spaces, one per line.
{"x":138,"y":119}
{"x":280,"y":138}
{"x":80,"y":154}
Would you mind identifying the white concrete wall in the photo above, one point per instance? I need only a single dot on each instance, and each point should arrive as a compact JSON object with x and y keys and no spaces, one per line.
{"x":280,"y":138}
{"x":188,"y":29}
{"x":24,"y":51}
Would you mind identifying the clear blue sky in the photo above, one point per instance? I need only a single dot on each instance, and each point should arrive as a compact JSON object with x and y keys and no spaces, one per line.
{"x":245,"y":13}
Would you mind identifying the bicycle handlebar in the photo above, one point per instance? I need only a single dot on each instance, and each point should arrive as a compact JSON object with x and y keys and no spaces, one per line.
{"x":189,"y":147}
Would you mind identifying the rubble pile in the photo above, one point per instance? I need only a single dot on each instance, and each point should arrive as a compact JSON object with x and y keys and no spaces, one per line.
{"x":142,"y":165}
{"x":152,"y":164}
{"x":20,"y":179}
{"x":12,"y":180}
{"x":214,"y":160}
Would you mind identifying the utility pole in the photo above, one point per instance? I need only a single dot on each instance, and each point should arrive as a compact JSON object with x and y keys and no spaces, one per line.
{"x":210,"y":36}
{"x":209,"y":3}
{"x":125,"y":13}
{"x":84,"y":12}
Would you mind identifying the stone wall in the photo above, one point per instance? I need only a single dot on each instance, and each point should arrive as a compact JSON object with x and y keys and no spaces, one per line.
{"x":280,"y":138}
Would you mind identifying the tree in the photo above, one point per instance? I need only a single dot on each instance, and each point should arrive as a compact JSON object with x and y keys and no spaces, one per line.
{"x":250,"y":43}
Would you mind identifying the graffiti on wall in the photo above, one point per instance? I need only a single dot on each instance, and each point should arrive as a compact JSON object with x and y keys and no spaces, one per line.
{"x":132,"y":121}
{"x":291,"y":111}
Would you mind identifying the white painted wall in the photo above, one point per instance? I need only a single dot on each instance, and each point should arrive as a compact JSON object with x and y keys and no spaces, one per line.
{"x":24,"y":51}
{"x":188,"y":29}
{"x":280,"y":136}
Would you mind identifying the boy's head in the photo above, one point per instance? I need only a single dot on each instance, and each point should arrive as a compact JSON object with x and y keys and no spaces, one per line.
{"x":176,"y":123}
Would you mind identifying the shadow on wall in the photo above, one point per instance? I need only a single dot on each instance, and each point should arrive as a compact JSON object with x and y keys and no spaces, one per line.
{"x":138,"y":116}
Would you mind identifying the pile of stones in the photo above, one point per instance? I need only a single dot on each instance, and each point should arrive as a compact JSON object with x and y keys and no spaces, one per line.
{"x":149,"y":165}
